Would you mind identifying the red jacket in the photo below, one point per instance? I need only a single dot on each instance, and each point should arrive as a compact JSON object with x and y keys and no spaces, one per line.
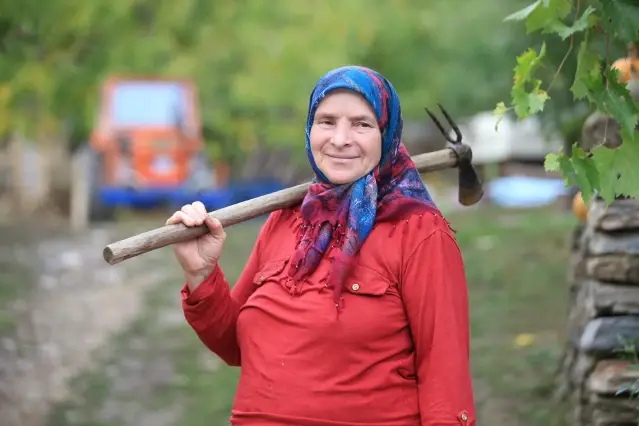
{"x":397,"y":356}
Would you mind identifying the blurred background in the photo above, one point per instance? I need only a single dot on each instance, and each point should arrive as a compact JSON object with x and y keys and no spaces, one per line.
{"x":115,"y":113}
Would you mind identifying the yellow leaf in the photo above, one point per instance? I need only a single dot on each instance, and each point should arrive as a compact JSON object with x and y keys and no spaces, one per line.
{"x":524,"y":339}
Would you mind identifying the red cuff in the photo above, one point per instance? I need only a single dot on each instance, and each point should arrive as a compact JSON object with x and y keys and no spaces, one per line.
{"x":465,"y":419}
{"x":202,"y":291}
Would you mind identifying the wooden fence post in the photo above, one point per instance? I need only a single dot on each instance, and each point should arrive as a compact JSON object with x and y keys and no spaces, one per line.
{"x":80,"y":191}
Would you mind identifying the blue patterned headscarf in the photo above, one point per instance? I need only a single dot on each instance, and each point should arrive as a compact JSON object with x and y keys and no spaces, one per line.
{"x":344,"y":215}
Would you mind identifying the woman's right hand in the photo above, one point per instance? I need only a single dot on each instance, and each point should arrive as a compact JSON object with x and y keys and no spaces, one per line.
{"x":199,"y":256}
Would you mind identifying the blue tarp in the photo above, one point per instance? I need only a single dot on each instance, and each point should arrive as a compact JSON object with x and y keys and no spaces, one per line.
{"x":523,"y":191}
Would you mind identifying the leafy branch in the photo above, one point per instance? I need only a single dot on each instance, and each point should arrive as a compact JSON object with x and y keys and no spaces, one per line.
{"x":605,"y":170}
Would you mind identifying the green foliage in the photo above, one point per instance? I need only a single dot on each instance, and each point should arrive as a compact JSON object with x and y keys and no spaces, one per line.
{"x":604,"y":171}
{"x":254,"y":62}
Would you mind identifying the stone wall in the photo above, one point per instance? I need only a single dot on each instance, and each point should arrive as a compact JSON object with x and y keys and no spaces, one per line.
{"x":603,"y":317}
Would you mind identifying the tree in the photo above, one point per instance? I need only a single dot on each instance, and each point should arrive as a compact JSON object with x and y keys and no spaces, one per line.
{"x":254,"y":64}
{"x":592,"y":29}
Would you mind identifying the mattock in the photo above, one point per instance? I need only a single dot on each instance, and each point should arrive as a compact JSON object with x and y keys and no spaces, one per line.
{"x":471,"y":189}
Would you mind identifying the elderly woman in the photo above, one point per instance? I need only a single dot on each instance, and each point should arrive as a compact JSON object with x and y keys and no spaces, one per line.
{"x":352,"y":308}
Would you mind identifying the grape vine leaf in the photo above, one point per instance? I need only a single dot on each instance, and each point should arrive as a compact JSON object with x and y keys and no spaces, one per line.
{"x":580,"y":169}
{"x":564,"y":31}
{"x":524,"y":13}
{"x":588,"y":69}
{"x":527,"y":64}
{"x":618,"y":171}
{"x":615,"y":100}
{"x":499,"y":111}
{"x":551,"y":163}
{"x":611,"y":97}
{"x":620,"y":18}
{"x":528,"y":101}
{"x":585,"y":173}
{"x":541,"y":14}
{"x":604,"y":159}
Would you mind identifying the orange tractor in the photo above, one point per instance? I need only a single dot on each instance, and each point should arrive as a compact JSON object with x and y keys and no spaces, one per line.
{"x":147,"y":150}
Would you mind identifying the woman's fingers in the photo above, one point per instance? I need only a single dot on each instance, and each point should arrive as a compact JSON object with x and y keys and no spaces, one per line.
{"x":191,"y":215}
{"x":181,"y":217}
{"x":200,"y":209}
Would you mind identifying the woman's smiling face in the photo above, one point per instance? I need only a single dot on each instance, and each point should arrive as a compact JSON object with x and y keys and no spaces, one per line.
{"x":345,"y":138}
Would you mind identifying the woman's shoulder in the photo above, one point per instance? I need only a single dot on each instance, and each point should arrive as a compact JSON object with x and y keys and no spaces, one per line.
{"x":412,"y":229}
{"x":425,"y":227}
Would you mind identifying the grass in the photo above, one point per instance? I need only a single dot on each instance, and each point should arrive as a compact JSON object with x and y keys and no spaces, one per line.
{"x":516,"y":264}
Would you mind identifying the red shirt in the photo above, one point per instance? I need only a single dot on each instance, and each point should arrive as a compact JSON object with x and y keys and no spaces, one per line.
{"x":398,"y":355}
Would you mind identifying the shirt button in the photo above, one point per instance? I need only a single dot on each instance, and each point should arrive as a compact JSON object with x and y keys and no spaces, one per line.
{"x":355,"y":287}
{"x":464,"y":417}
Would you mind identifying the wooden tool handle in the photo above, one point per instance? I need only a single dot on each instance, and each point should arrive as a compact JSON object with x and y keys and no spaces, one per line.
{"x":246,"y":210}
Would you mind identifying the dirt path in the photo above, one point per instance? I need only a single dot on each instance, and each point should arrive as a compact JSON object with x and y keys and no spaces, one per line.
{"x":70,"y":304}
{"x":155,"y":371}
{"x":150,"y":373}
{"x":133,"y":380}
